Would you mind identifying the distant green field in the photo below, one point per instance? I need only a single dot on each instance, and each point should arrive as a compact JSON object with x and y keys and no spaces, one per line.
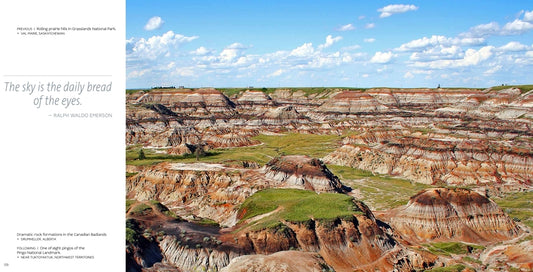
{"x":273,"y":145}
{"x":523,"y":88}
{"x":238,"y":91}
{"x":518,"y":206}
{"x":132,"y":91}
{"x":380,"y":192}
{"x":325,"y":91}
{"x":452,"y":268}
{"x":306,"y":90}
{"x":296,"y":206}
{"x":448,"y":248}
{"x":151,"y":157}
{"x":297,"y":144}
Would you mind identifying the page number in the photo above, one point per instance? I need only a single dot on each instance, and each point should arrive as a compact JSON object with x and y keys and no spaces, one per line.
{"x":6,"y":264}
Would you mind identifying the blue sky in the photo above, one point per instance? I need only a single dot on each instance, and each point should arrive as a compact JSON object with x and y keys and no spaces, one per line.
{"x":328,"y":43}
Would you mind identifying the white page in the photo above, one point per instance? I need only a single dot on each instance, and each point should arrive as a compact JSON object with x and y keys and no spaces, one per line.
{"x":63,"y":151}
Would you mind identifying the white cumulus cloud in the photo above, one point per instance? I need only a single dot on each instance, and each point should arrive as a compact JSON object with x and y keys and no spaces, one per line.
{"x":351,"y":47}
{"x":382,"y":57}
{"x":201,"y":51}
{"x":370,"y":25}
{"x":493,"y":70}
{"x":473,"y":57}
{"x":154,"y":23}
{"x":276,"y":73}
{"x":436,"y":40}
{"x":528,"y":16}
{"x":231,"y":52}
{"x":304,"y":50}
{"x":516,"y":27}
{"x":470,"y":58}
{"x":155,"y":46}
{"x":369,"y":40}
{"x":408,"y":75}
{"x":422,"y":72}
{"x":346,"y":27}
{"x":483,"y":30}
{"x":138,"y":73}
{"x":395,"y":9}
{"x":514,"y":46}
{"x":438,"y":52}
{"x":184,"y":72}
{"x":330,"y":40}
{"x":232,"y":55}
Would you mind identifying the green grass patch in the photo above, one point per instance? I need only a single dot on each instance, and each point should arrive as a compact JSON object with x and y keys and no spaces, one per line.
{"x":151,"y":157}
{"x":322,"y":91}
{"x":140,"y":209}
{"x":132,"y":91}
{"x":207,"y":222}
{"x":163,"y":209}
{"x":448,"y":248}
{"x":523,"y":88}
{"x":527,"y":238}
{"x":346,"y":172}
{"x":518,"y":206}
{"x":380,"y":192}
{"x":516,"y":200}
{"x":158,"y":206}
{"x":471,"y":260}
{"x":296,"y":206}
{"x":130,"y":174}
{"x":273,"y":145}
{"x":229,"y":92}
{"x":453,"y":268}
{"x":296,"y":144}
{"x":129,"y":202}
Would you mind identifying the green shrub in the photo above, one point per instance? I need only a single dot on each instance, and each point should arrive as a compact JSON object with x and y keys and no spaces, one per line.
{"x":453,"y":268}
{"x":208,"y":222}
{"x":132,"y":236}
{"x":129,"y":202}
{"x":140,"y":209}
{"x":142,"y":156}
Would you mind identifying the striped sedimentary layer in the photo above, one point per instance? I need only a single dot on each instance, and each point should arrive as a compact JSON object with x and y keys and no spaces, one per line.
{"x":453,"y":214}
{"x":437,"y":158}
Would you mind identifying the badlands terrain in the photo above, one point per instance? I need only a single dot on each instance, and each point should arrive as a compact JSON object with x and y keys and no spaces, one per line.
{"x":329,"y":179}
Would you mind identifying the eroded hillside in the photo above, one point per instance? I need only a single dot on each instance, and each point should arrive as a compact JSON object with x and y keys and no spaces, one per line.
{"x":207,"y":154}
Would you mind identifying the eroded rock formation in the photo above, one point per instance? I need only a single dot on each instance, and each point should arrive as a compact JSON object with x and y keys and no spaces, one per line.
{"x":444,"y":136}
{"x":285,"y":261}
{"x":453,"y":136}
{"x":299,"y":171}
{"x":437,"y":158}
{"x":438,"y":214}
{"x":215,"y":191}
{"x":356,"y":242}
